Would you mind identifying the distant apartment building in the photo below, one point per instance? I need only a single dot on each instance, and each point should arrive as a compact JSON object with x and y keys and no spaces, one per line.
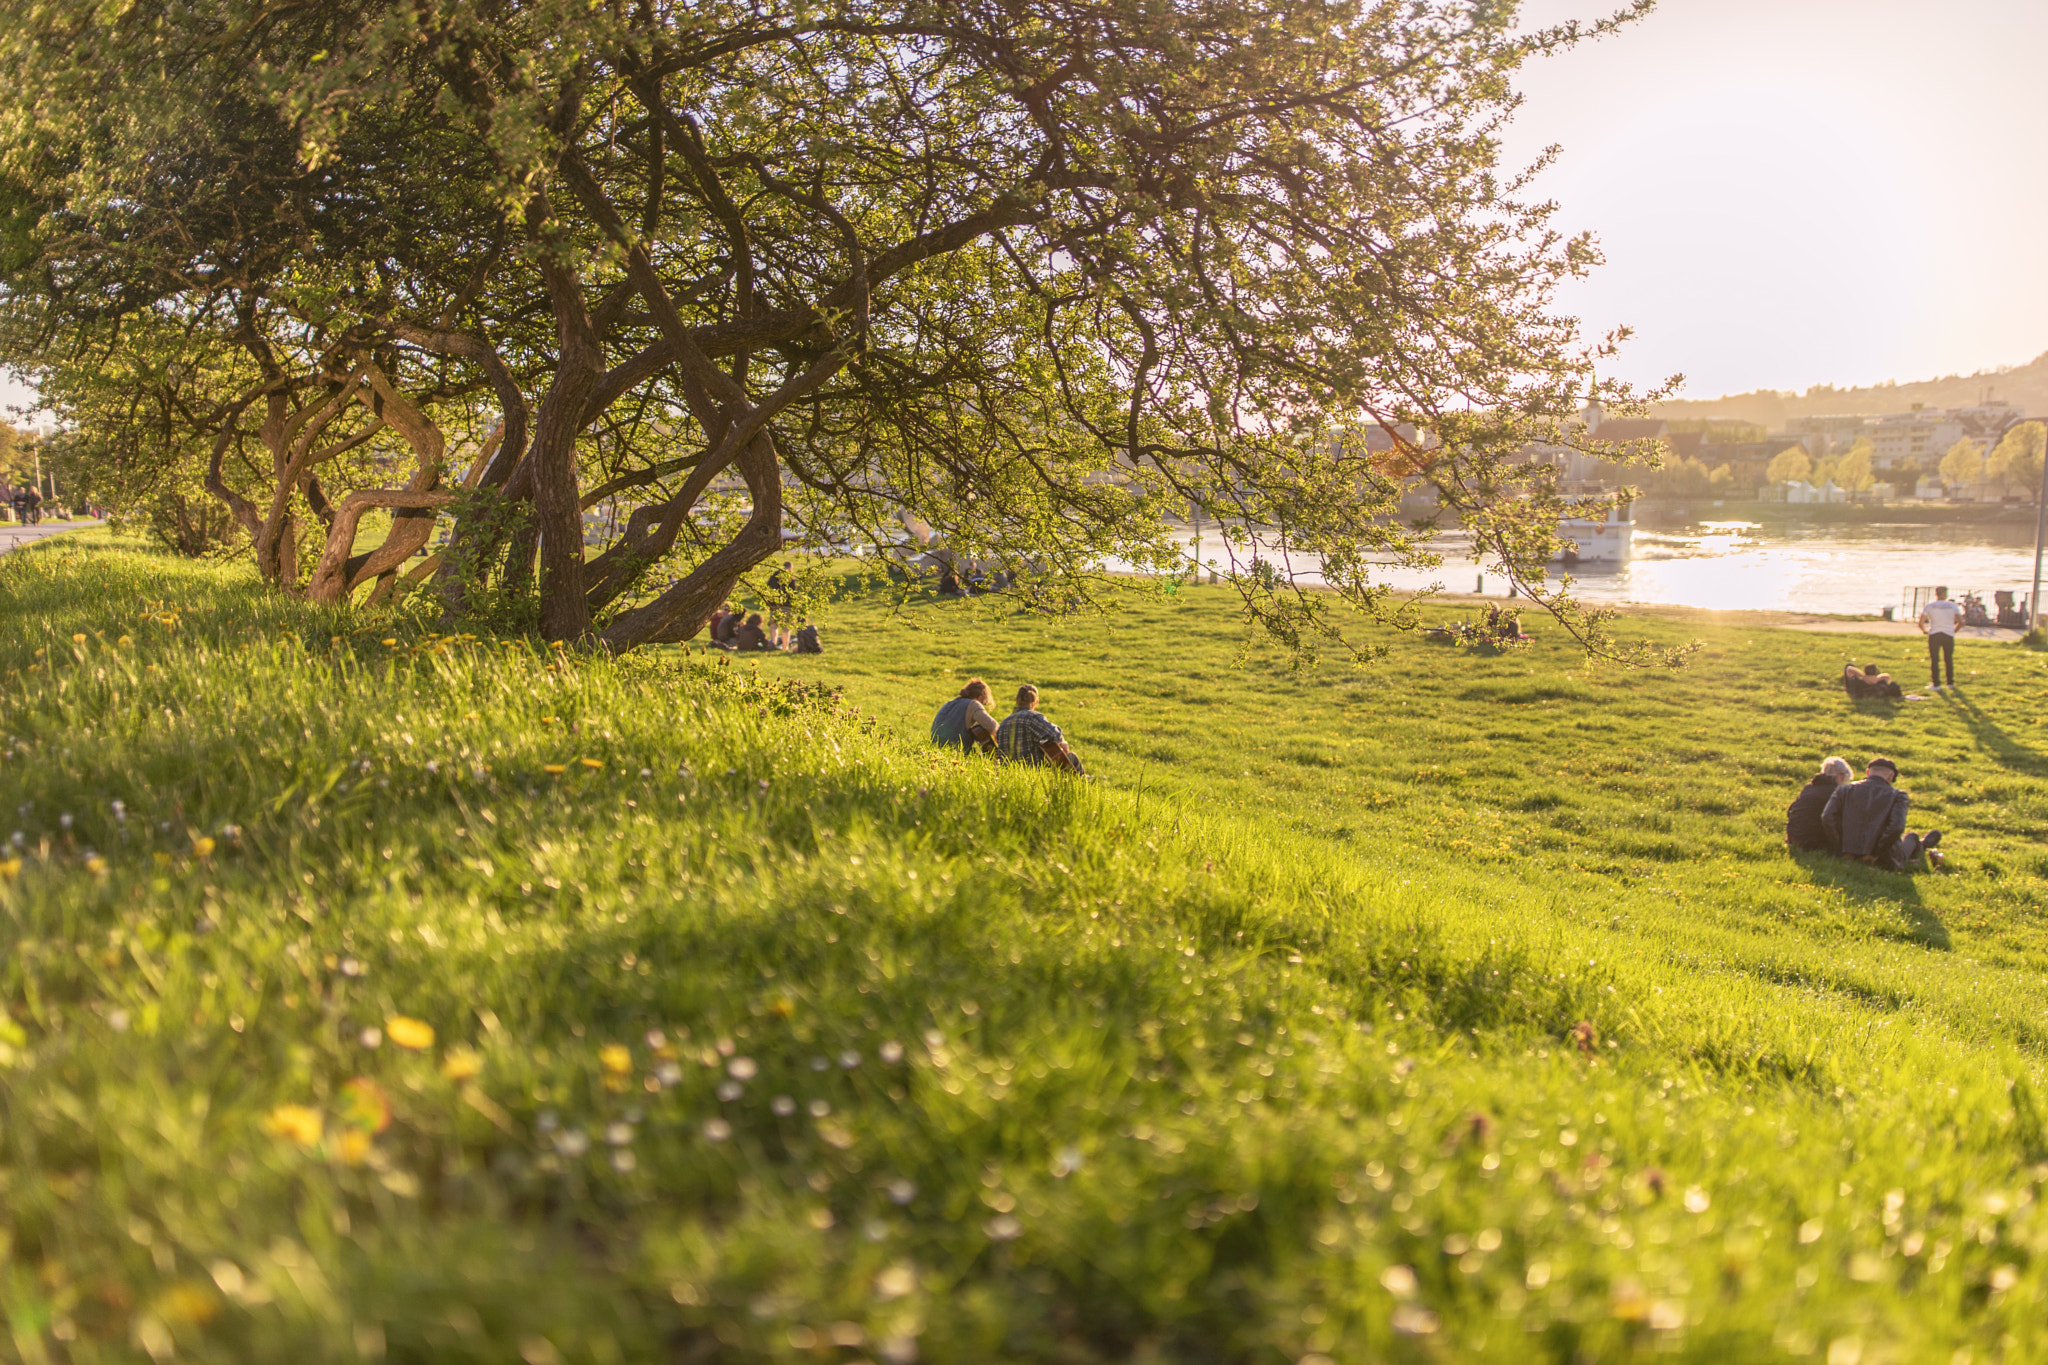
{"x":1924,"y":435}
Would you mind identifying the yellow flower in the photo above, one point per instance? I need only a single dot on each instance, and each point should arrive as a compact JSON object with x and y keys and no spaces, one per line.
{"x":96,"y":865}
{"x":10,"y":868}
{"x":125,"y":640}
{"x":470,"y":715}
{"x":78,"y":639}
{"x":364,"y":1105}
{"x":202,"y":847}
{"x":547,"y":720}
{"x":188,"y":1301}
{"x":461,"y":1063}
{"x":591,"y":762}
{"x":355,"y":1145}
{"x":296,"y":1123}
{"x":557,"y":769}
{"x":388,"y":643}
{"x":615,"y":1058}
{"x":409,"y":1033}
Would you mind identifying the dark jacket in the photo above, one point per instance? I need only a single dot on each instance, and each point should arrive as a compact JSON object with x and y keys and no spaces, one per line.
{"x":1865,"y":817}
{"x":1804,"y":827}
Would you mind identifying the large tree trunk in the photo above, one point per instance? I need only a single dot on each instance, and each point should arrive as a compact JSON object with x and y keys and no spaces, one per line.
{"x":579,"y":367}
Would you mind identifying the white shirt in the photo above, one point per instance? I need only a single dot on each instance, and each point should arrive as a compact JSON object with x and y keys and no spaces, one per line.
{"x":1941,"y":617}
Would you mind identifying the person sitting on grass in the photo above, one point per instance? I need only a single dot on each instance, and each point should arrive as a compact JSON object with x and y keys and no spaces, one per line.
{"x":1804,"y":828}
{"x":1868,"y":682}
{"x":1025,"y":736}
{"x":1868,"y":821}
{"x":750,"y":638}
{"x":964,"y":722}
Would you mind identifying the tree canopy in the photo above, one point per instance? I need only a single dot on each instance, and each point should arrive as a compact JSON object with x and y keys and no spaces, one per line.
{"x":1037,"y":275}
{"x":1963,"y":466}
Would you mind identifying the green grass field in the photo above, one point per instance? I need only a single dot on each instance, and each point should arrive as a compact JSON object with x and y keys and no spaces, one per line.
{"x":460,"y":1000}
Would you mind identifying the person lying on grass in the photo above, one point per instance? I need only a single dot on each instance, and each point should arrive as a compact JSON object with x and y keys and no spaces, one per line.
{"x":1868,"y":682}
{"x":1027,"y":737}
{"x":964,"y":722}
{"x":1868,"y":820}
{"x":1804,"y":828}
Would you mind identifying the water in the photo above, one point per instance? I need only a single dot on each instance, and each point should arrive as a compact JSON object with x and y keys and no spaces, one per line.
{"x":1741,"y":565}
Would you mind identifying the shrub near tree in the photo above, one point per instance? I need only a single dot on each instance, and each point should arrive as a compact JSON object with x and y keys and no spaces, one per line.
{"x":1037,"y":275}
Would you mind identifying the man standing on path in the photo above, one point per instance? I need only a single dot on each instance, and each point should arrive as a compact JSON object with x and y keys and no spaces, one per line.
{"x":1938,"y":620}
{"x":1867,"y":820}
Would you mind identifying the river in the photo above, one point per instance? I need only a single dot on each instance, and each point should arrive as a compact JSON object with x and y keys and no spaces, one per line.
{"x":1742,"y":565}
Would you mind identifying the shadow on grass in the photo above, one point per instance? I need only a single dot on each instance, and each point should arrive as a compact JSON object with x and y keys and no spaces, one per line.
{"x":1993,"y":738}
{"x":1897,"y":891}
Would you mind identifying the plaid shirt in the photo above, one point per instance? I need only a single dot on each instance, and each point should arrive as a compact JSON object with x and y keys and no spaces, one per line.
{"x":1022,"y":734}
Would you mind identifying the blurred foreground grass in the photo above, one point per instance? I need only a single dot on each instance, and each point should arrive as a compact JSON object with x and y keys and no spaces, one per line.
{"x":370,"y":995}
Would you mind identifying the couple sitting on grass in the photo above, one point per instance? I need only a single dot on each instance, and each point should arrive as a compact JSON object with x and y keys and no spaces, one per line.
{"x":1023,"y":736}
{"x":1863,"y":820}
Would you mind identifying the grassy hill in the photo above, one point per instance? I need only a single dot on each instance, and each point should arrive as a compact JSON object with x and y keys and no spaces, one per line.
{"x":2025,"y":386}
{"x":431,"y":999}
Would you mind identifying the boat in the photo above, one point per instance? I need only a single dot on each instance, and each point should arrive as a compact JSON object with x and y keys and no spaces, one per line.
{"x":1588,"y":541}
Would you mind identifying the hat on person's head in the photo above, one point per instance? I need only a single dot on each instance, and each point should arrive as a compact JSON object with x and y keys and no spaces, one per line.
{"x":1882,"y":762}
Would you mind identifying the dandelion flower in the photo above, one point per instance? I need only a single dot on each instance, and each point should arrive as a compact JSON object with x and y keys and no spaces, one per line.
{"x":295,"y":1123}
{"x":554,"y":769}
{"x":615,"y":1059}
{"x":203,"y":846}
{"x":409,"y":1033}
{"x":355,"y":1145}
{"x":389,"y":641}
{"x":461,"y":1063}
{"x":78,"y":639}
{"x":10,"y":868}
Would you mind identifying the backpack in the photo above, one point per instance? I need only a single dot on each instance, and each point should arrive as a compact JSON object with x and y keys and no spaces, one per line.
{"x":807,"y":641}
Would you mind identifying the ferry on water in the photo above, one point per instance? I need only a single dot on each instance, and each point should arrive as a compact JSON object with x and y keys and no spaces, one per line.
{"x":1593,"y":542}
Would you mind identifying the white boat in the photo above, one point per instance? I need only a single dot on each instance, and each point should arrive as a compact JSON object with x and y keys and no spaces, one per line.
{"x":1592,"y":542}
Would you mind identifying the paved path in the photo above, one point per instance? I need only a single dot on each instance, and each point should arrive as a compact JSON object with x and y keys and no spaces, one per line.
{"x":1828,"y":625}
{"x":13,"y":534}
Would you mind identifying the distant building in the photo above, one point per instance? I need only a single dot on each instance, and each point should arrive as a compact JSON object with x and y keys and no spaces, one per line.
{"x":1829,"y":435}
{"x":1924,"y":435}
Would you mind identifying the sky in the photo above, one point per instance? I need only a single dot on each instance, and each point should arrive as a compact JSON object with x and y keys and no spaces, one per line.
{"x":1797,"y":192}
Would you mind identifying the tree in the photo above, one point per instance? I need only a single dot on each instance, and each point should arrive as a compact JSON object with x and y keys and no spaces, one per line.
{"x":2015,"y":462}
{"x":1789,"y":465}
{"x":1852,"y":471}
{"x":1962,"y":467}
{"x":1033,"y":273}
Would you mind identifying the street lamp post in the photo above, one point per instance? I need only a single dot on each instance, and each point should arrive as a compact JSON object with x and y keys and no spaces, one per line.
{"x":2040,"y":535}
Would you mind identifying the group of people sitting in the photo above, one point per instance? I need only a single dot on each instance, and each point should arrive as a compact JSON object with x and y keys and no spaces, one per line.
{"x":1023,"y":736}
{"x":1863,"y":820}
{"x":745,"y":632}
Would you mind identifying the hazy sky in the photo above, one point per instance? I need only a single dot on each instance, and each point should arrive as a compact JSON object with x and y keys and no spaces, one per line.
{"x":1793,"y":192}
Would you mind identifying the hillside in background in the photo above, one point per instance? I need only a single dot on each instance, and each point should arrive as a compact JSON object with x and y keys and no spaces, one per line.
{"x":2024,"y":385}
